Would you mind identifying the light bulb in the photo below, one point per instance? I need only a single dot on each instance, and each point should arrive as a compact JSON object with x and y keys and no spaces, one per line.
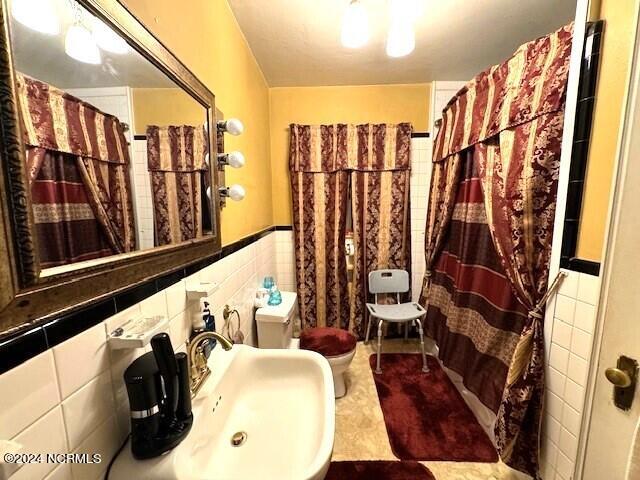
{"x":355,"y":26}
{"x":233,"y":159}
{"x":38,"y":15}
{"x":401,"y":39}
{"x":233,"y":126}
{"x":80,"y":45}
{"x":234,"y":192}
{"x":107,"y":39}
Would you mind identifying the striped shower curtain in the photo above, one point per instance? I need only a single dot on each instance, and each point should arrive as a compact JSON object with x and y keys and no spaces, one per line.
{"x":489,"y":235}
{"x":78,"y":167}
{"x":177,"y":166}
{"x":333,"y":167}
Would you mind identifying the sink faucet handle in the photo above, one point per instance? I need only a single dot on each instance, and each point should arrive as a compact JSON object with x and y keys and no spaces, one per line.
{"x":201,"y":359}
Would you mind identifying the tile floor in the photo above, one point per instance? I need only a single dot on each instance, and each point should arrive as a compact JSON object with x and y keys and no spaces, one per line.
{"x":361,"y":433}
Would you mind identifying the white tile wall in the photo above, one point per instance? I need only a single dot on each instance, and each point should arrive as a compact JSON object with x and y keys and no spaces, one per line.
{"x":72,"y":398}
{"x":569,"y":337}
{"x":142,"y":188}
{"x":285,"y":261}
{"x":420,"y":180}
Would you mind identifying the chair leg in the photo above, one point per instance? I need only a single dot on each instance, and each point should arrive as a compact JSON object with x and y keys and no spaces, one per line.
{"x":406,"y":331}
{"x":366,"y":337}
{"x":378,"y":369}
{"x":425,"y":368}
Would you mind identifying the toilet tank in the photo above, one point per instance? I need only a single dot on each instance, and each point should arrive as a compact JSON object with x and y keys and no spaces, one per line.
{"x":275,"y":323}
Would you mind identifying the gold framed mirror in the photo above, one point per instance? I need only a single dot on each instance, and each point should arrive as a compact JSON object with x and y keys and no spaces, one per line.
{"x":109,"y":147}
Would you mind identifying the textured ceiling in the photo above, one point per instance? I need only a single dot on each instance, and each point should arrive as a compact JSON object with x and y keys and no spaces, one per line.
{"x":297,"y":42}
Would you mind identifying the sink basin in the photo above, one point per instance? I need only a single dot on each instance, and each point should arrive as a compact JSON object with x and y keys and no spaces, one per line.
{"x":262,"y":415}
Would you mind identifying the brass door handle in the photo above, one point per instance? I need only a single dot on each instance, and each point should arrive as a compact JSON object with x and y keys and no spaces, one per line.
{"x":618,"y":377}
{"x":623,"y":377}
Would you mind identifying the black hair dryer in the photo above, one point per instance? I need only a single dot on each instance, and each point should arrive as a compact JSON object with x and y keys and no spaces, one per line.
{"x":159,"y":399}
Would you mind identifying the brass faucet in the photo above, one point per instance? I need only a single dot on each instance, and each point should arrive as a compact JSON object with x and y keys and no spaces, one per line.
{"x":199,"y":370}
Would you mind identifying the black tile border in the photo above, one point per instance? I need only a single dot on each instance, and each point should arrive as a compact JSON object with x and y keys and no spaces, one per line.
{"x":580,"y":151}
{"x":420,"y":134}
{"x":17,"y":348}
{"x":15,"y":351}
{"x":584,"y":266}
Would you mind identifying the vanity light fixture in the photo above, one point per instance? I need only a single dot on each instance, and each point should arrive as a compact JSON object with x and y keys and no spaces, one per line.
{"x":233,"y":126}
{"x":107,"y":39}
{"x":233,"y":159}
{"x":355,"y":25}
{"x":38,"y":15}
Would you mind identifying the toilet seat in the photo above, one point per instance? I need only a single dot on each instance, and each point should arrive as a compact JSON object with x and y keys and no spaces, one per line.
{"x":337,"y":346}
{"x":327,"y":341}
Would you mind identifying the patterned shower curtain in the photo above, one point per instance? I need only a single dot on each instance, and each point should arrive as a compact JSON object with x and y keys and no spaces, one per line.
{"x":177,"y":166}
{"x":78,"y":167}
{"x":504,"y":132}
{"x":320,"y":192}
{"x":380,"y":208}
{"x":328,"y":165}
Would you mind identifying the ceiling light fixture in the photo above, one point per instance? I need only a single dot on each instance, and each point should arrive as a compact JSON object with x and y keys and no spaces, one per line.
{"x":80,"y":45}
{"x":38,"y":15}
{"x":107,"y":39}
{"x":401,"y":39}
{"x":79,"y":42}
{"x":355,"y":25}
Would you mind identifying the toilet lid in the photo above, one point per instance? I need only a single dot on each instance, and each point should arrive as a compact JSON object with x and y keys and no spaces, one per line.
{"x":327,"y":341}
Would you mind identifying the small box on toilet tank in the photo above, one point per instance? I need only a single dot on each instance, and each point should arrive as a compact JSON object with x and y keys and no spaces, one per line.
{"x":275,"y":323}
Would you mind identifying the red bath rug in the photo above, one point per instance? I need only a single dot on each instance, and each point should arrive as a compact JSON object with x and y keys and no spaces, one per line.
{"x":378,"y":470}
{"x":425,"y":415}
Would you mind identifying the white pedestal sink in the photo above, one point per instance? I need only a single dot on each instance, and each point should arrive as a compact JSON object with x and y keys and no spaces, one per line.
{"x":277,"y":404}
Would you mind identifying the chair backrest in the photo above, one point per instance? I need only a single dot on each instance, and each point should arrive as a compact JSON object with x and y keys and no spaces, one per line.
{"x":388,"y":281}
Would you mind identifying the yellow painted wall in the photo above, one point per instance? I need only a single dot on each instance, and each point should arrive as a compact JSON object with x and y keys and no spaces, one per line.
{"x":207,"y":38}
{"x":350,"y":104}
{"x":615,"y":62}
{"x":165,"y":106}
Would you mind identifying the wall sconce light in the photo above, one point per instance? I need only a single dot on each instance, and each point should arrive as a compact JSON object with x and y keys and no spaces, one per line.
{"x":234,"y":192}
{"x":233,"y":159}
{"x":233,"y":126}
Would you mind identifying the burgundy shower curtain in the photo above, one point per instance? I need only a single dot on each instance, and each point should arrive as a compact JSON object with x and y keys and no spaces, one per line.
{"x":380,"y":210}
{"x":504,"y":132}
{"x":328,"y":165}
{"x":320,"y":189}
{"x":176,"y":160}
{"x":78,"y":167}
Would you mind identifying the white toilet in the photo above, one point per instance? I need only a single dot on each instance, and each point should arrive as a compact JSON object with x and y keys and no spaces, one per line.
{"x":275,"y":330}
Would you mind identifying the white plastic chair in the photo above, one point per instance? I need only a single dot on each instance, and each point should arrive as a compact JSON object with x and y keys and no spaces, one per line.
{"x":393,"y":281}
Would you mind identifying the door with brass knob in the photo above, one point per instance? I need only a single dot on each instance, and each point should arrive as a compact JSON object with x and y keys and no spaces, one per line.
{"x":610,"y":439}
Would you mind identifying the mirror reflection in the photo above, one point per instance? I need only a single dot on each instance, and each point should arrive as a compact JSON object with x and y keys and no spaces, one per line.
{"x":117,"y":153}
